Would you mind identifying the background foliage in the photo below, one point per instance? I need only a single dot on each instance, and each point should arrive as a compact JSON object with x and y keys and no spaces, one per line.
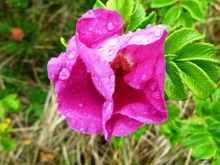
{"x":32,"y":132}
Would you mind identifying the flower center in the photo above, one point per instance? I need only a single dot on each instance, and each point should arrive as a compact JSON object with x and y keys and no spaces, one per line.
{"x":121,"y":67}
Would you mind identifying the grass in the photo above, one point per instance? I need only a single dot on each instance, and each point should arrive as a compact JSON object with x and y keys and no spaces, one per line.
{"x":41,"y":134}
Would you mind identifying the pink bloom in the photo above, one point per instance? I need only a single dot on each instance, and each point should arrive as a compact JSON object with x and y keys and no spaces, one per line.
{"x":110,"y":82}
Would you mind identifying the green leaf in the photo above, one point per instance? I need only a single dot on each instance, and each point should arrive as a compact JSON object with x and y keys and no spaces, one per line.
{"x":211,"y":69}
{"x":172,"y":15}
{"x":196,"y":79}
{"x":186,"y":20}
{"x":136,"y":17}
{"x":204,"y":151}
{"x":10,"y":103}
{"x":62,"y":40}
{"x":174,"y":87}
{"x":193,"y":125}
{"x":216,"y":160}
{"x":178,"y":39}
{"x":202,"y":107}
{"x":98,"y":4}
{"x":195,"y":11}
{"x":161,"y":3}
{"x":215,"y":111}
{"x":150,"y":19}
{"x":170,"y":57}
{"x":197,"y":51}
{"x":7,"y":144}
{"x":126,"y":9}
{"x":196,"y":140}
{"x":173,"y":112}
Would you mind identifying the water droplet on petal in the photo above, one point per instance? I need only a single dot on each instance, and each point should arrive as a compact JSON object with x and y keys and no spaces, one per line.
{"x":153,"y":86}
{"x":109,"y":106}
{"x":114,"y":41}
{"x":157,"y":33}
{"x":134,"y":80}
{"x":110,"y":26}
{"x":130,"y":122}
{"x":161,"y":26}
{"x":143,"y":76}
{"x":64,"y":74}
{"x":72,"y":55}
{"x":156,"y":95}
{"x":138,"y":38}
{"x":112,"y":78}
{"x":81,"y":129}
{"x":129,"y":33}
{"x":101,"y":49}
{"x":81,"y":105}
{"x":111,"y":52}
{"x":112,"y":89}
{"x":100,"y":32}
{"x":90,"y":29}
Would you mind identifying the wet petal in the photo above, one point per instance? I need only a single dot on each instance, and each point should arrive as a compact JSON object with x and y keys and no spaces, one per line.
{"x":100,"y":25}
{"x":102,"y":75}
{"x":80,"y":102}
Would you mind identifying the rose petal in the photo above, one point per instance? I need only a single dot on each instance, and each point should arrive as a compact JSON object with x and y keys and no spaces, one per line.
{"x":80,"y":102}
{"x":142,"y":100}
{"x":102,"y":75}
{"x":100,"y":25}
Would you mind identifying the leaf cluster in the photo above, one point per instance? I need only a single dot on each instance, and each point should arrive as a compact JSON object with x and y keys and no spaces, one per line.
{"x":183,"y":12}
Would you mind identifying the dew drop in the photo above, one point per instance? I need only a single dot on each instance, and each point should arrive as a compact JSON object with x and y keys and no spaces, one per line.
{"x":131,"y":123}
{"x":153,"y":86}
{"x":72,"y":55}
{"x":81,"y":129}
{"x":134,"y":80}
{"x":138,"y":38}
{"x":112,"y":78}
{"x":111,"y":52}
{"x":101,"y":49}
{"x":112,"y":89}
{"x":110,"y":26}
{"x":143,"y":76}
{"x":109,"y":106}
{"x":161,"y":26}
{"x":90,"y":29}
{"x":156,"y":95}
{"x":81,"y":105}
{"x":64,"y":74}
{"x":157,"y":33}
{"x":114,"y":41}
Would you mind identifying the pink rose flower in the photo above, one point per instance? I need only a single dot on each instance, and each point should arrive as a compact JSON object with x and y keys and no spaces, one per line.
{"x":107,"y":81}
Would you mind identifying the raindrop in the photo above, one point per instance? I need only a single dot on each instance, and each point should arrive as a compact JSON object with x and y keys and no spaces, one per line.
{"x":143,"y":76}
{"x":81,"y":105}
{"x":72,"y":55}
{"x":138,"y":38}
{"x":101,"y":49}
{"x":156,"y":95}
{"x":161,"y":26}
{"x":112,"y":89}
{"x":157,"y":33}
{"x":129,"y":33}
{"x":110,"y":26}
{"x":114,"y":41}
{"x":134,"y":80}
{"x":109,"y":106}
{"x":131,"y":123}
{"x":111,"y":52}
{"x":64,"y":74}
{"x":90,"y":29}
{"x":112,"y":78}
{"x":81,"y":129}
{"x":153,"y":86}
